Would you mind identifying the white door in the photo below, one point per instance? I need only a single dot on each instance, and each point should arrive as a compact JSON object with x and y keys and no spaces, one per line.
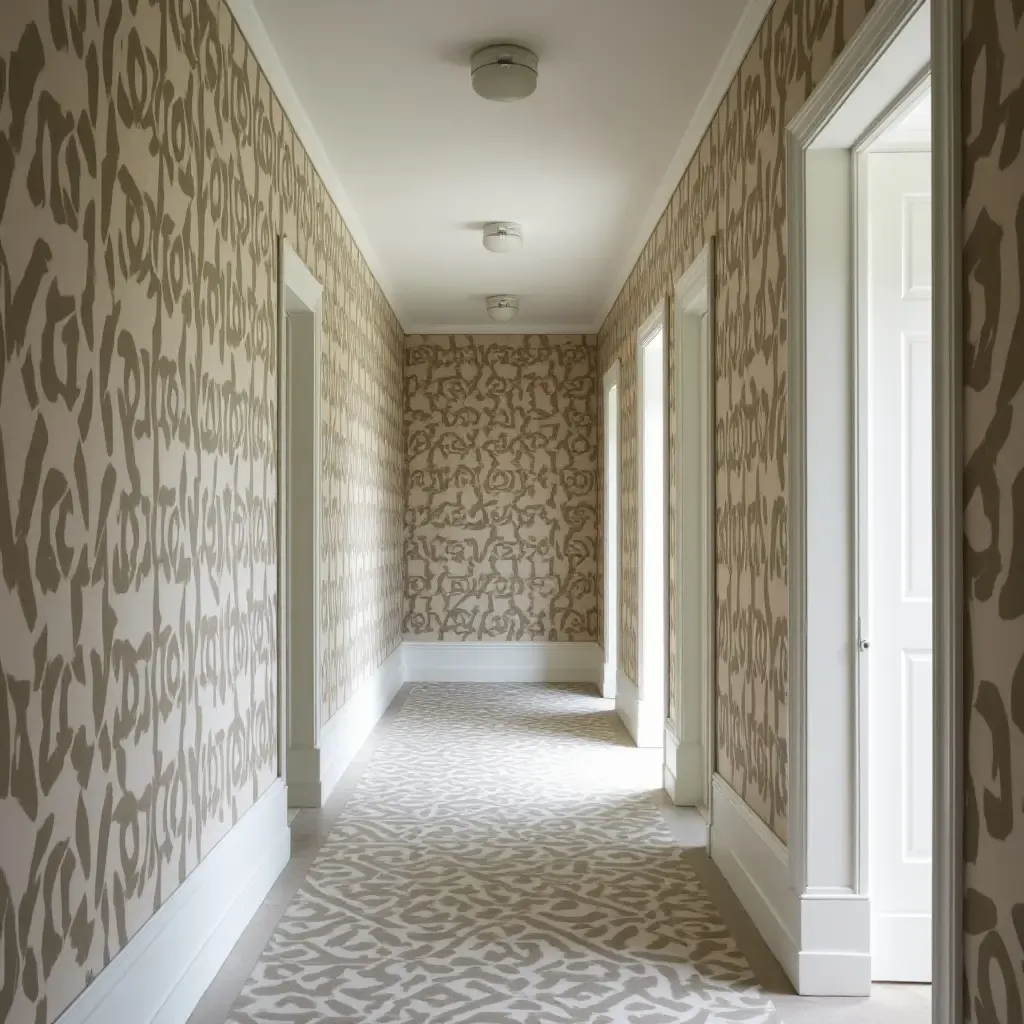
{"x":897,"y":622}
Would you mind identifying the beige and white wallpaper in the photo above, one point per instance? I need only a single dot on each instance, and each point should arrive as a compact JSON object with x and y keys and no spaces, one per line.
{"x":993,"y":169}
{"x":501,"y":510}
{"x":735,"y":190}
{"x":146,"y":171}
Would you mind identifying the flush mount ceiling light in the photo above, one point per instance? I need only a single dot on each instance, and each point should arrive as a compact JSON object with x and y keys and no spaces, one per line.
{"x":503,"y":307}
{"x":504,"y":72}
{"x":503,"y":237}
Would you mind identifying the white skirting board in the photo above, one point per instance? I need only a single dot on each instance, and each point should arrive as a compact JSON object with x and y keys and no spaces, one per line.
{"x":609,"y":681}
{"x":160,"y":976}
{"x":821,"y":939}
{"x":645,"y":733}
{"x":313,"y":774}
{"x":684,"y":771}
{"x":500,"y":661}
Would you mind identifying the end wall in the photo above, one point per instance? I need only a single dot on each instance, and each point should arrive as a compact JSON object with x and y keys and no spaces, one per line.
{"x":501,"y":502}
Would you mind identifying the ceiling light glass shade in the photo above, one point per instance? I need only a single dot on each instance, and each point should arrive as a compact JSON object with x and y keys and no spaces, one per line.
{"x":503,"y":237}
{"x":503,"y":308}
{"x":504,"y":72}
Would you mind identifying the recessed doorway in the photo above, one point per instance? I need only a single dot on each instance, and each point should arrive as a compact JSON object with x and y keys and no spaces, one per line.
{"x":611,"y":531}
{"x":300,"y":297}
{"x":652,"y":547}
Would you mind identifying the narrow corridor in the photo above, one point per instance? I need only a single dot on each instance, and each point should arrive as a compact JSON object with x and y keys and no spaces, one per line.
{"x":500,"y":859}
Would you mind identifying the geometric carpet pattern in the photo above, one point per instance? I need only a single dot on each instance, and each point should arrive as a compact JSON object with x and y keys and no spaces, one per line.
{"x":500,"y":861}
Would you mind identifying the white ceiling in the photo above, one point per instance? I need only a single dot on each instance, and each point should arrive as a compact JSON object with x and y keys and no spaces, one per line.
{"x":586,"y":164}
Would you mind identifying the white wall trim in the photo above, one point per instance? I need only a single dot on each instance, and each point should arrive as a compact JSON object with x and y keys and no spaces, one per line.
{"x":728,"y":66}
{"x":312,"y":779}
{"x":694,"y":535}
{"x":656,"y":324}
{"x":755,"y":863}
{"x":295,"y":279}
{"x":256,"y":35}
{"x":160,"y":976}
{"x":645,"y":732}
{"x":612,"y":510}
{"x":862,"y":53}
{"x":502,"y":661}
{"x":819,"y":937}
{"x":948,"y":654}
{"x":684,"y":772}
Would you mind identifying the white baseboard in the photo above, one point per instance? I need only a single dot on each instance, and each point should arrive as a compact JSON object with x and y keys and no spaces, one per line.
{"x":313,"y":774}
{"x":160,"y":976}
{"x":609,"y":681}
{"x":645,"y":731}
{"x":821,"y":938}
{"x":684,"y":771}
{"x":755,"y":863}
{"x":835,"y":944}
{"x":499,"y":661}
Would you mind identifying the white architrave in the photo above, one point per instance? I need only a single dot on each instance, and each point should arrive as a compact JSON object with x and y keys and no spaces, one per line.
{"x":827,"y":886}
{"x":631,"y":698}
{"x":947,"y":529}
{"x":298,"y":292}
{"x":612,"y":514}
{"x":690,"y":740}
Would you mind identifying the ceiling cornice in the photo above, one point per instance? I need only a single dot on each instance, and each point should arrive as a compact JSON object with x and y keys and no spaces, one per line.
{"x":256,"y":35}
{"x":739,"y":43}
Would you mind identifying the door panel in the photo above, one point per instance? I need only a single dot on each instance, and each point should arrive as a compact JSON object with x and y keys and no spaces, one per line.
{"x":898,"y":617}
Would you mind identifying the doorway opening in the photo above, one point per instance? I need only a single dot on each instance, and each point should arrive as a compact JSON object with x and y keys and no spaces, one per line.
{"x":300,"y":301}
{"x":611,"y":532}
{"x":690,"y":744}
{"x":652,"y":549}
{"x":874,"y":806}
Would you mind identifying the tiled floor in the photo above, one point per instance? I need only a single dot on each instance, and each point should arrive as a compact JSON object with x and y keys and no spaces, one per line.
{"x":333,"y":912}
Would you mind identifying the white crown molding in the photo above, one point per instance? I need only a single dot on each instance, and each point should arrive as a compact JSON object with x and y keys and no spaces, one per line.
{"x":739,"y":43}
{"x":256,"y":35}
{"x":510,"y":328}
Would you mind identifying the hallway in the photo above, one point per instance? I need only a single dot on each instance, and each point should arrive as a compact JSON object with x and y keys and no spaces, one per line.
{"x":500,"y":859}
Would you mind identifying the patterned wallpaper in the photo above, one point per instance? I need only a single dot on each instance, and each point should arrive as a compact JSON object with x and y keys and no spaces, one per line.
{"x":735,"y":189}
{"x":502,"y":501}
{"x":993,"y":76}
{"x":146,"y":171}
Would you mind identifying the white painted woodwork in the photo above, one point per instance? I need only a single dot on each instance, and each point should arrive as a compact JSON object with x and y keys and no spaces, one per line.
{"x":611,"y":530}
{"x":652,"y":525}
{"x":690,"y":735}
{"x":898,"y":619}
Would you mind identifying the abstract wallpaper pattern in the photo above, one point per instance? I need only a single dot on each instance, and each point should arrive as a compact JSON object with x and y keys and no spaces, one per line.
{"x":501,"y":509}
{"x":146,"y":171}
{"x":735,"y":189}
{"x":993,"y":77}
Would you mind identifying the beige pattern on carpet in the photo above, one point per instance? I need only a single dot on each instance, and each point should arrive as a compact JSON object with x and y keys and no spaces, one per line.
{"x":501,"y":860}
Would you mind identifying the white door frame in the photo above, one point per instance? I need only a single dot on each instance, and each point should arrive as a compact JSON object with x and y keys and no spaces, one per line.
{"x":823,"y":875}
{"x":646,"y":733}
{"x":690,"y":737}
{"x":298,"y":291}
{"x":612,"y":381}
